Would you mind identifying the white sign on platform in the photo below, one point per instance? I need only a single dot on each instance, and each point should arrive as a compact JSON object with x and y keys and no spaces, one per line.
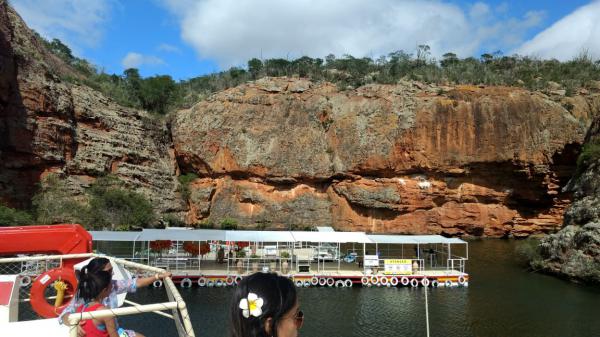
{"x":397,"y":267}
{"x":371,"y":261}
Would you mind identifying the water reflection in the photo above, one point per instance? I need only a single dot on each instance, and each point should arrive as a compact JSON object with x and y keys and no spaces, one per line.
{"x":503,"y":299}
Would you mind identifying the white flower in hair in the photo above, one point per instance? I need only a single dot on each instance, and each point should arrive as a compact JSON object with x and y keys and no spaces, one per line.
{"x":251,"y":305}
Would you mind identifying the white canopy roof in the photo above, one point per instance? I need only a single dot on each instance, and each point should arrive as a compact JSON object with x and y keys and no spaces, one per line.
{"x":115,"y":236}
{"x":260,"y":236}
{"x":182,"y":234}
{"x":413,"y":239}
{"x":341,"y":237}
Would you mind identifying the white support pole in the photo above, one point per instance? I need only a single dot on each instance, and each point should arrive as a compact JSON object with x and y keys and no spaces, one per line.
{"x":338,"y":257}
{"x":449,"y":257}
{"x":364,"y":253}
{"x":133,"y":251}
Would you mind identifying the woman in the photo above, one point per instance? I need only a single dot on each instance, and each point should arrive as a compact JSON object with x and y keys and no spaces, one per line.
{"x":265,"y":305}
{"x":118,"y":287}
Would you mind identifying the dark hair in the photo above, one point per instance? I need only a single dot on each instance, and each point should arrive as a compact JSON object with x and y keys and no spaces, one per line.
{"x":91,"y":284}
{"x":279,"y":296}
{"x":97,"y":264}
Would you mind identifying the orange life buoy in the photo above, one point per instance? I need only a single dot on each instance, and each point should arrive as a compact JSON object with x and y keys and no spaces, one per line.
{"x":38,"y":288}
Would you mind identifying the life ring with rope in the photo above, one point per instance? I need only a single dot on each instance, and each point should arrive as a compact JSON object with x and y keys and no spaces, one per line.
{"x":37,"y":297}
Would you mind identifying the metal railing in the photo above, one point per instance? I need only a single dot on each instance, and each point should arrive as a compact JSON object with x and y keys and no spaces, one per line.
{"x":29,"y":267}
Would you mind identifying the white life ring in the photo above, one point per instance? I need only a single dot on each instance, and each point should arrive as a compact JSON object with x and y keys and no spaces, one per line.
{"x":186,"y":283}
{"x":374,"y":280}
{"x":157,"y":284}
{"x":307,"y":284}
{"x":394,"y":281}
{"x":25,"y":280}
{"x":219,"y":283}
{"x":384,"y":281}
{"x":330,"y":282}
{"x":299,"y":283}
{"x":404,"y":280}
{"x":314,"y":281}
{"x":448,"y":283}
{"x":339,"y":284}
{"x":425,"y":282}
{"x":202,"y":282}
{"x":348,"y":283}
{"x":461,"y":280}
{"x":435,"y":283}
{"x":322,"y":281}
{"x":414,"y":283}
{"x":238,"y":279}
{"x":210,"y":283}
{"x":364,"y":280}
{"x":229,"y":280}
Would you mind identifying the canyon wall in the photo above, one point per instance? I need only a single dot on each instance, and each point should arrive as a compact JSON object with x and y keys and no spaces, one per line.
{"x":405,"y":158}
{"x":291,"y":153}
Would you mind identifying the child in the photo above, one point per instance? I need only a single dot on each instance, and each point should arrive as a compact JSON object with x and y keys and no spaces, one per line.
{"x":93,"y":288}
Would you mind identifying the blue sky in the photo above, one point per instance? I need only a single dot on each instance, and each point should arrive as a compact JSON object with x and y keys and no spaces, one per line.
{"x":188,"y":38}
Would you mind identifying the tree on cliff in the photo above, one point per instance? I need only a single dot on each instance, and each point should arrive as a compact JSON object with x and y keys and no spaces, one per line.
{"x":14,"y":217}
{"x":117,"y":208}
{"x":157,"y":93}
{"x":255,"y":67}
{"x":106,"y":204}
{"x":54,"y":203}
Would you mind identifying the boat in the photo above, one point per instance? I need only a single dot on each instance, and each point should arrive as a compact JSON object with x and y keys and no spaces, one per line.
{"x":211,"y":257}
{"x":44,"y":256}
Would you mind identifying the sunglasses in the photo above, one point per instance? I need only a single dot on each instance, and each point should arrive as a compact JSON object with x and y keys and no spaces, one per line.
{"x":299,"y":319}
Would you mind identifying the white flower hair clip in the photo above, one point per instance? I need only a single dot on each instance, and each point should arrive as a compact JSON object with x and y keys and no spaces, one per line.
{"x":251,"y":305}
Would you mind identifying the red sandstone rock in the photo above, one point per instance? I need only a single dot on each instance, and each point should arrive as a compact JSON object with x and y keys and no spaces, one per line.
{"x":474,"y":161}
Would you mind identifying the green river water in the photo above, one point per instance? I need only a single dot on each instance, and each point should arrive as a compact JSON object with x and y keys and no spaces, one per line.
{"x":503,"y":299}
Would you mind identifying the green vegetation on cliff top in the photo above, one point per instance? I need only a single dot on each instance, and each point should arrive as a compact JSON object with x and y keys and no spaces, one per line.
{"x":161,"y":94}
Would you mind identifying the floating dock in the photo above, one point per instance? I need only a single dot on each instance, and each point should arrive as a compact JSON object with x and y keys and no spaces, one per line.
{"x":324,"y":258}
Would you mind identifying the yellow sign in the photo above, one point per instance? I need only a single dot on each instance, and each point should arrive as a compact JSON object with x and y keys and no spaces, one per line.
{"x":398,"y":261}
{"x":397,"y":267}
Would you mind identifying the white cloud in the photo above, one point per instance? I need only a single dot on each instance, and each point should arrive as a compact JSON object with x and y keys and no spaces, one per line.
{"x":502,"y":8}
{"x":233,"y":31}
{"x":479,"y":10}
{"x":135,"y":60}
{"x":168,"y":48}
{"x":568,"y":37}
{"x":77,"y":23}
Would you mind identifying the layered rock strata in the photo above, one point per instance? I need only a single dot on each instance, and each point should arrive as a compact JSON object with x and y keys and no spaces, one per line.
{"x":290,"y":153}
{"x":574,"y":252}
{"x":406,"y":158}
{"x":49,"y":126}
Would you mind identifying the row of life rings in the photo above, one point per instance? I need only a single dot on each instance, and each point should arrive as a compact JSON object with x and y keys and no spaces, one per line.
{"x":323,"y":281}
{"x":204,"y":282}
{"x":405,"y":281}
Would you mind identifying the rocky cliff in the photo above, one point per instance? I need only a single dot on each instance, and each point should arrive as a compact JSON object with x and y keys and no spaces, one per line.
{"x":50,"y":126}
{"x":574,"y":252}
{"x":290,"y":153}
{"x":406,"y":158}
